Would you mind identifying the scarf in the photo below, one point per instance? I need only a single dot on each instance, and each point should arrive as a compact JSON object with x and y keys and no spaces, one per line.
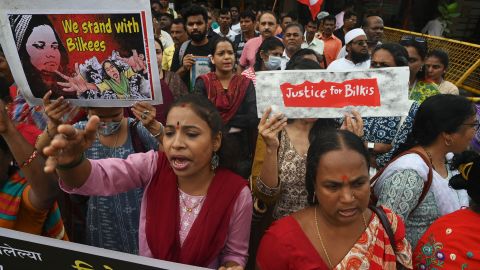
{"x":10,"y":201}
{"x":227,"y":101}
{"x":208,"y":233}
{"x":121,"y":89}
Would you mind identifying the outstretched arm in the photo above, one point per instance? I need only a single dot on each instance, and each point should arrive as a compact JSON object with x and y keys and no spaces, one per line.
{"x":44,"y":186}
{"x":76,"y":83}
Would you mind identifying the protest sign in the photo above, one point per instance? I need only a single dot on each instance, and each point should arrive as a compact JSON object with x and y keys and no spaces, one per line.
{"x":324,"y":94}
{"x":23,"y":251}
{"x":201,"y":66}
{"x":94,"y":53}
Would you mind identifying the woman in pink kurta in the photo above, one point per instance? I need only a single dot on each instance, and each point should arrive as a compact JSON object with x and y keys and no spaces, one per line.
{"x":209,"y":206}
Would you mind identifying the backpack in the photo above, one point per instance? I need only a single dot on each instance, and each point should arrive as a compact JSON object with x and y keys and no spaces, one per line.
{"x":182,"y":50}
{"x":426,"y":186}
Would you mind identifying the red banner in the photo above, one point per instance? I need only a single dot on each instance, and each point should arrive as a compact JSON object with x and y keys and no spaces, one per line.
{"x":356,"y":92}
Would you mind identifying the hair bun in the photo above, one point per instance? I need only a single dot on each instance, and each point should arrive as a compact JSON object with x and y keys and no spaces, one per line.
{"x":457,"y":182}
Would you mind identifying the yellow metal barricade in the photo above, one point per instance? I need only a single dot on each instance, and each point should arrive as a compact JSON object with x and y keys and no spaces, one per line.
{"x":464,"y":66}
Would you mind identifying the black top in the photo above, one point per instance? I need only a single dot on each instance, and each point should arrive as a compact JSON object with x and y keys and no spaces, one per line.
{"x":203,"y":50}
{"x":239,"y":42}
{"x":340,"y":35}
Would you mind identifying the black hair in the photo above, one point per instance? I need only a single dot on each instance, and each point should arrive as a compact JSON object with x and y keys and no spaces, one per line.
{"x":248,"y":14}
{"x":33,"y":75}
{"x":205,"y":109}
{"x":303,"y":64}
{"x":468,"y":164}
{"x":330,"y":18}
{"x":298,"y":56}
{"x":437,"y":114}
{"x":441,"y":55}
{"x":268,"y":44}
{"x":113,"y":64}
{"x":5,"y":150}
{"x":178,"y":21}
{"x":299,"y":26}
{"x":422,"y":49}
{"x":288,"y":15}
{"x":160,"y":15}
{"x":349,"y":14}
{"x":159,"y":42}
{"x":194,"y":10}
{"x":214,"y":48}
{"x":399,"y":53}
{"x":314,"y":21}
{"x":328,"y":140}
{"x":225,"y":11}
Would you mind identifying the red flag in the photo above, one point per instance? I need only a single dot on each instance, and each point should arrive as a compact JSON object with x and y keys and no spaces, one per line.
{"x":313,"y":5}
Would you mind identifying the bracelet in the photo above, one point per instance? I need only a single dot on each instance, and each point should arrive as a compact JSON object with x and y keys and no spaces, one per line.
{"x":162,"y":128}
{"x":71,"y":165}
{"x":29,"y":159}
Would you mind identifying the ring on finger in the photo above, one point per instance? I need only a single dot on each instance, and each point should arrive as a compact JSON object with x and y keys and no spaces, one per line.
{"x":144,"y":116}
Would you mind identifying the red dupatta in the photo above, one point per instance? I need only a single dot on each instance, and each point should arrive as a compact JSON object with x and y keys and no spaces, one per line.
{"x":208,"y":233}
{"x":227,"y":101}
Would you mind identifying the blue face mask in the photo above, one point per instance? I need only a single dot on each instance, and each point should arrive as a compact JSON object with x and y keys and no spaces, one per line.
{"x":109,"y":128}
{"x":274,"y":62}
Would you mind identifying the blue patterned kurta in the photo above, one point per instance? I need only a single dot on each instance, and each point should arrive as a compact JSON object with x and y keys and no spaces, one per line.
{"x":112,"y":221}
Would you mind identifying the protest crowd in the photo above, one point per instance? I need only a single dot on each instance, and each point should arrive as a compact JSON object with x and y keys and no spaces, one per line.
{"x":202,"y":180}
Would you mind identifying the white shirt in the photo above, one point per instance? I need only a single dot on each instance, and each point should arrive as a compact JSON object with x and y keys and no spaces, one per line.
{"x":166,"y":39}
{"x":285,"y":60}
{"x":317,"y":45}
{"x":434,"y":28}
{"x":236,"y":28}
{"x":339,"y":19}
{"x":344,"y":64}
{"x":231,"y":34}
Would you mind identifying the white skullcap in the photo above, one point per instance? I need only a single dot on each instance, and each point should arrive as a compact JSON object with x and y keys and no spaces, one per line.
{"x":354,"y":33}
{"x":322,"y":15}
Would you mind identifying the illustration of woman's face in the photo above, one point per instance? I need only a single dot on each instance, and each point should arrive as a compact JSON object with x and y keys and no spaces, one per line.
{"x":111,"y":71}
{"x":42,"y":47}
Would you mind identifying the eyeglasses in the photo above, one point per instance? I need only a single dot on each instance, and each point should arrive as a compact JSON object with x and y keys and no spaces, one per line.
{"x":417,"y":39}
{"x":475,"y":125}
{"x":378,"y":65}
{"x":360,"y":42}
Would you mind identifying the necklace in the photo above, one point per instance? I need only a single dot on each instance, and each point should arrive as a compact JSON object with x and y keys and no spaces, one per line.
{"x":321,"y":240}
{"x":193,"y":207}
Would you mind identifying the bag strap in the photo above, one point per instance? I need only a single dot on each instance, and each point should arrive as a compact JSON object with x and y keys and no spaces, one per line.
{"x":182,"y":50}
{"x":426,"y":186}
{"x":378,"y":210}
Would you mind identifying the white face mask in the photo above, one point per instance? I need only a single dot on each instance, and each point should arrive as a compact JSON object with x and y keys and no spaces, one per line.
{"x":273,"y":63}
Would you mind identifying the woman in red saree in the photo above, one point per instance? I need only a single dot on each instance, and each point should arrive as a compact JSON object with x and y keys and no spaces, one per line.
{"x":338,"y":230}
{"x":234,"y":97}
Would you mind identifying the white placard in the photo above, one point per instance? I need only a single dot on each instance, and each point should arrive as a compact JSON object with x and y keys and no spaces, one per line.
{"x":324,"y":94}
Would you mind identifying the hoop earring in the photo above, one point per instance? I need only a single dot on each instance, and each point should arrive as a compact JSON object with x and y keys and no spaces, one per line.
{"x":215,"y":161}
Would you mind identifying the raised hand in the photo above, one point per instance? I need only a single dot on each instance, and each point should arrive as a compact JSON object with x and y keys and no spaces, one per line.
{"x":136,"y":61}
{"x":269,"y":128}
{"x":145,"y":112}
{"x":76,"y":83}
{"x":188,"y":61}
{"x":56,"y":109}
{"x":69,"y":144}
{"x":354,"y":123}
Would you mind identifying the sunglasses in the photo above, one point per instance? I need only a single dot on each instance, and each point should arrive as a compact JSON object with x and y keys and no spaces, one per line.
{"x":417,"y":39}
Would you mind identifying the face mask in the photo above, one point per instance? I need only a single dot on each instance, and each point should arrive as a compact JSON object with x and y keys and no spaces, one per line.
{"x":273,"y":63}
{"x":109,"y":128}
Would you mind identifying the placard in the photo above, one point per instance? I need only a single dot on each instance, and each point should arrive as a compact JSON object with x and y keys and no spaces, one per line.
{"x":94,"y":53}
{"x":324,"y":94}
{"x":23,"y":251}
{"x":200,"y":67}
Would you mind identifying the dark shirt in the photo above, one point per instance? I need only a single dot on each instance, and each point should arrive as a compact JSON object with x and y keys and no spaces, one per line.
{"x":239,"y":42}
{"x":203,"y":50}
{"x":340,"y":35}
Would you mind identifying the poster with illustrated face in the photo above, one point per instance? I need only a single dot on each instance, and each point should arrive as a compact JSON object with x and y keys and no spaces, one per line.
{"x":93,"y":53}
{"x":324,"y":94}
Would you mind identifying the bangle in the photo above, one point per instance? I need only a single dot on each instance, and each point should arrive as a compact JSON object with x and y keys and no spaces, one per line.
{"x":160,"y":132}
{"x":29,"y":159}
{"x":71,"y":165}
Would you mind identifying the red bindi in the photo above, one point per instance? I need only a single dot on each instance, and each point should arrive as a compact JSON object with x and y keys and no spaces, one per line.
{"x":344,"y":178}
